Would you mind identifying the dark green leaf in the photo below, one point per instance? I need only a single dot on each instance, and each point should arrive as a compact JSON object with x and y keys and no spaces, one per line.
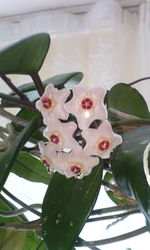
{"x":25,"y":56}
{"x":7,"y":160}
{"x":128,"y":170}
{"x":4,"y":207}
{"x":59,"y":81}
{"x":126,"y":99}
{"x":30,"y":168}
{"x":28,"y":115}
{"x":120,"y":201}
{"x":66,"y":207}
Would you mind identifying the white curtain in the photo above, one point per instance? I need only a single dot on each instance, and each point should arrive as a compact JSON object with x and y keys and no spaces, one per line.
{"x":109,"y":44}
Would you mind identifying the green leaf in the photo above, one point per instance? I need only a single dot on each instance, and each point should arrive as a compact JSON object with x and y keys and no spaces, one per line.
{"x":33,"y":242}
{"x":5,"y":207}
{"x":25,"y":56}
{"x":11,"y":238}
{"x":28,"y":116}
{"x":66,"y":206}
{"x":59,"y":81}
{"x":124,"y":98}
{"x":128,"y":169}
{"x":108,"y":177}
{"x":7,"y":160}
{"x":30,"y":168}
{"x":20,"y":240}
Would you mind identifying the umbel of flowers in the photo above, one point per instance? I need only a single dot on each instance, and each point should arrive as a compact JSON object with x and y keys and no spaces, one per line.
{"x":77,"y":129}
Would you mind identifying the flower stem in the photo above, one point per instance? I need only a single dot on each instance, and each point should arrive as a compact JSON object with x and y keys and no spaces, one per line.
{"x":38,"y":83}
{"x":114,"y":239}
{"x":21,"y":202}
{"x":139,"y":80}
{"x":13,"y":87}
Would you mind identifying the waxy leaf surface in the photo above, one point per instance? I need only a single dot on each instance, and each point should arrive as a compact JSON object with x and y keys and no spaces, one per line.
{"x":25,"y":56}
{"x":66,"y":206}
{"x":127,"y":99}
{"x":7,"y":160}
{"x":128,"y":167}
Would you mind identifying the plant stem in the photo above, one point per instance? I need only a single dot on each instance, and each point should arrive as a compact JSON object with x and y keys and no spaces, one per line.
{"x":122,"y":115}
{"x":114,"y":216}
{"x":22,"y":103}
{"x":111,"y":209}
{"x":19,"y":211}
{"x":139,"y":80}
{"x":12,"y":117}
{"x":11,"y":206}
{"x":131,"y":122}
{"x":13,"y":88}
{"x":118,"y":193}
{"x":38,"y":83}
{"x":21,"y":202}
{"x":114,"y":239}
{"x":87,"y":244}
{"x":20,"y":226}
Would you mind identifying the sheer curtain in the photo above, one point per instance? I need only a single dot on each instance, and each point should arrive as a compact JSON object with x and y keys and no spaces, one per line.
{"x":108,"y":43}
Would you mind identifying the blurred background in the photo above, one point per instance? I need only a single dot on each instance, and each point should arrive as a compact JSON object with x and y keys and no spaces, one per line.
{"x":107,"y":40}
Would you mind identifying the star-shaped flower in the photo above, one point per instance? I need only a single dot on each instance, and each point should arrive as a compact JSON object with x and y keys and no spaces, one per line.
{"x":60,"y":135}
{"x":101,"y":141}
{"x":48,"y":154}
{"x":52,"y":103}
{"x":87,"y":105}
{"x":77,"y":163}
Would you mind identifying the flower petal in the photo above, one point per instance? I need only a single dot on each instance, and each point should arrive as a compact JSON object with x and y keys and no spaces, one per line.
{"x":52,"y":103}
{"x":87,"y":105}
{"x":101,"y":141}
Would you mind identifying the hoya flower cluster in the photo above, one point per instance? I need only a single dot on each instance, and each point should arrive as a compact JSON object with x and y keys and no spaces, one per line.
{"x":77,"y":130}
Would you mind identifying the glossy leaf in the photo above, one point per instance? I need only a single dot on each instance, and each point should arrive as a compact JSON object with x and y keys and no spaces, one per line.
{"x":66,"y":206}
{"x":7,"y":160}
{"x":33,"y":242}
{"x":127,"y":99}
{"x":128,"y":170}
{"x":25,"y":56}
{"x":30,"y":168}
{"x":59,"y":81}
{"x":28,"y":116}
{"x":121,"y":200}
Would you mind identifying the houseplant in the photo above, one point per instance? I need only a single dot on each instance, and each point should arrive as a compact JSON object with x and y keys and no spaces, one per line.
{"x":111,"y":149}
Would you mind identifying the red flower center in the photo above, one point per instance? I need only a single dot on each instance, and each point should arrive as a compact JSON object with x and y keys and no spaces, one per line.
{"x":103,"y":145}
{"x":75,"y":169}
{"x":46,"y":164}
{"x":54,"y":138}
{"x":87,"y":103}
{"x":47,"y":103}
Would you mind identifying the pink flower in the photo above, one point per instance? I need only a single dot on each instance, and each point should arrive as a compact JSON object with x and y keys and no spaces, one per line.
{"x":101,"y":141}
{"x":60,"y":135}
{"x":87,"y":105}
{"x":52,"y":103}
{"x":48,"y":154}
{"x":77,"y":163}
